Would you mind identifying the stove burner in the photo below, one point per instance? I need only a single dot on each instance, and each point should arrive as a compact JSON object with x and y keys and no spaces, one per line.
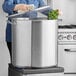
{"x":67,"y":26}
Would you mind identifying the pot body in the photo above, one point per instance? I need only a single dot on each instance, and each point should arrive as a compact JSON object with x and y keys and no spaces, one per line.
{"x":44,"y":43}
{"x":21,"y":42}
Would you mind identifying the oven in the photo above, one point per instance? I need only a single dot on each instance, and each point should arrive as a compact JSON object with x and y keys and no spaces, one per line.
{"x":67,"y":48}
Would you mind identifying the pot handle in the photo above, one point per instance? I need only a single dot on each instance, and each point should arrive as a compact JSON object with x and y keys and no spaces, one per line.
{"x":70,"y":50}
{"x":59,"y":21}
{"x":9,"y":22}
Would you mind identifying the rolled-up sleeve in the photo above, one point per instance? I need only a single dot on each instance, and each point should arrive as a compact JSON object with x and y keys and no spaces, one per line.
{"x":8,"y":6}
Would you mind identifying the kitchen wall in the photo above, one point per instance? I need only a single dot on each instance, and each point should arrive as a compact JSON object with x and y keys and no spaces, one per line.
{"x":68,"y":7}
{"x":4,"y":54}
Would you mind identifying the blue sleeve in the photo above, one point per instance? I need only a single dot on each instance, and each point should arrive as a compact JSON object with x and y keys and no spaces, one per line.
{"x":8,"y":6}
{"x":41,"y":3}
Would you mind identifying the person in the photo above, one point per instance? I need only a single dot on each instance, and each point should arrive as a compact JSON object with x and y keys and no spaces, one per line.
{"x":11,"y":7}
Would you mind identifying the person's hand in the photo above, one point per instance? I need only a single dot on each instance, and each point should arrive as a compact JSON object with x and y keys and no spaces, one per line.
{"x":60,"y":12}
{"x":22,"y":7}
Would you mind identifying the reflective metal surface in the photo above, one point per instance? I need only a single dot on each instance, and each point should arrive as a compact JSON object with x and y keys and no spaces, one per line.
{"x":44,"y":43}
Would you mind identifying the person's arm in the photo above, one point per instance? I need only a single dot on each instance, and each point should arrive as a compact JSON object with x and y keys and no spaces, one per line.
{"x":8,"y":6}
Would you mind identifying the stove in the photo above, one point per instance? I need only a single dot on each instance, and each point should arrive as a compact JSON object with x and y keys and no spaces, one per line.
{"x":67,"y":48}
{"x":67,"y":34}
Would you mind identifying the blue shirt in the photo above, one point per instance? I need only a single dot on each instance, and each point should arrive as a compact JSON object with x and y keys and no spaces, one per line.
{"x":9,"y":5}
